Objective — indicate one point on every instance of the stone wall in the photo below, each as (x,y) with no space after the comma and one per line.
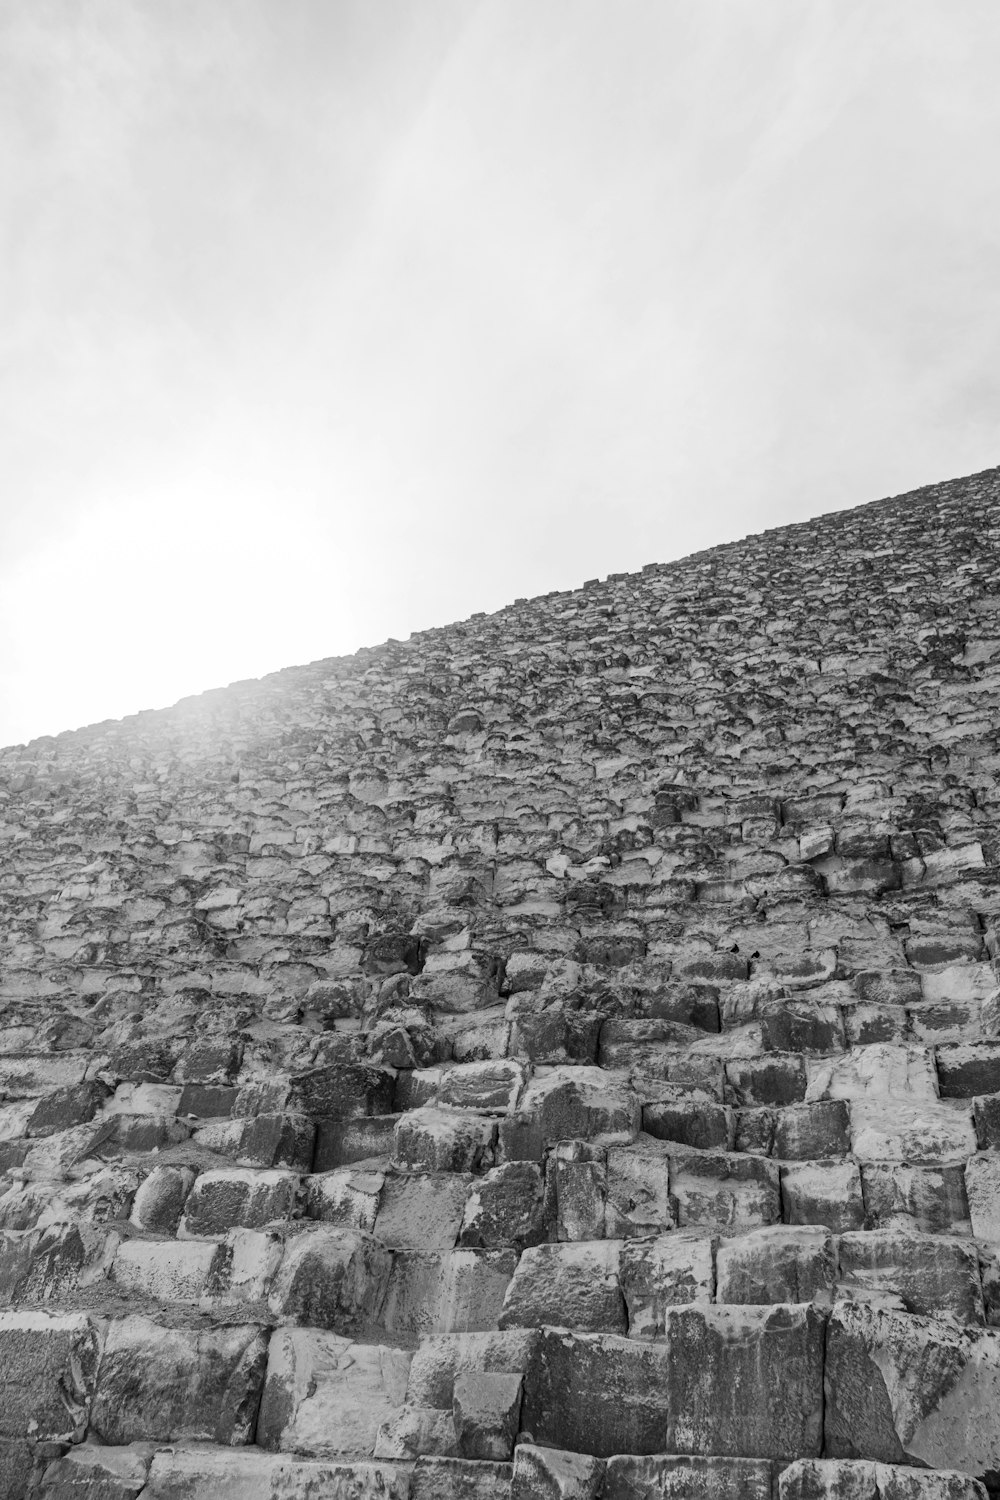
(556,1055)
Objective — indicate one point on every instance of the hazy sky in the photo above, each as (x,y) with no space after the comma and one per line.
(329,320)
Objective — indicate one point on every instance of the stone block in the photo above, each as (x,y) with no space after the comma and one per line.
(331,1278)
(908,1390)
(715,1190)
(802,1027)
(178,1384)
(88,1472)
(209,1473)
(492,1086)
(576,1181)
(49,1264)
(664,1272)
(507,1206)
(239,1198)
(568,1285)
(813,1132)
(746,1381)
(436,1139)
(447,1291)
(686,1477)
(857,1479)
(982,1186)
(933,1275)
(342,1091)
(66,1107)
(823,1192)
(550,1474)
(50,1363)
(165,1270)
(348,1198)
(568,1103)
(459,1479)
(776,1079)
(782,1263)
(597,1394)
(438,1361)
(690,1121)
(637,1198)
(486,1411)
(967,1070)
(340,1142)
(423,1211)
(325,1396)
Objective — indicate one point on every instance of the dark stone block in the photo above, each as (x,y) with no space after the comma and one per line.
(812,1132)
(67,1107)
(690,1122)
(339,1142)
(776,1079)
(207,1101)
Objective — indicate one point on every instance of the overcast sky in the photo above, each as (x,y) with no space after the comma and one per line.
(328,320)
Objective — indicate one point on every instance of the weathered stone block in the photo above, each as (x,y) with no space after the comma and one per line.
(550,1474)
(178,1384)
(241,1198)
(568,1103)
(663,1272)
(823,1192)
(775,1079)
(903,1389)
(208,1473)
(459,1479)
(331,1278)
(50,1367)
(447,1291)
(434,1139)
(348,1197)
(340,1142)
(745,1381)
(724,1192)
(964,1071)
(507,1206)
(934,1276)
(326,1396)
(777,1264)
(569,1285)
(576,1186)
(486,1411)
(690,1121)
(438,1362)
(597,1394)
(856,1479)
(677,1477)
(422,1212)
(637,1199)
(88,1472)
(813,1132)
(931,1199)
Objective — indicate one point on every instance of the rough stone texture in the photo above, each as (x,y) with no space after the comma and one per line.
(621,967)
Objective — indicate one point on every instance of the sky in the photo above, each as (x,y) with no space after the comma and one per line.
(324,321)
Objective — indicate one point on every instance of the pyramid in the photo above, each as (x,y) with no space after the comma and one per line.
(554,1055)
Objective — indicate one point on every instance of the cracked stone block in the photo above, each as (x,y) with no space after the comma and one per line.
(813,1132)
(824,1192)
(325,1396)
(49,1264)
(416,1430)
(50,1363)
(166,1270)
(577,1183)
(91,1473)
(238,1199)
(438,1361)
(982,1185)
(905,1389)
(178,1384)
(722,1191)
(664,1272)
(347,1197)
(331,1278)
(856,1479)
(690,1121)
(568,1103)
(492,1086)
(571,1285)
(180,1473)
(781,1263)
(342,1091)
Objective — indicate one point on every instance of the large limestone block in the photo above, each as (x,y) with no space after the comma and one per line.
(89,1472)
(159,1201)
(439,1361)
(422,1211)
(439,1139)
(934,1276)
(50,1366)
(898,1130)
(904,1389)
(165,1270)
(856,1479)
(638,1198)
(883,1071)
(676,1477)
(459,1479)
(208,1473)
(717,1190)
(597,1394)
(452,1291)
(331,1278)
(486,1412)
(325,1396)
(570,1286)
(347,1197)
(49,1265)
(550,1474)
(664,1272)
(982,1185)
(178,1384)
(823,1192)
(930,1199)
(567,1103)
(492,1087)
(506,1207)
(577,1183)
(241,1198)
(781,1263)
(746,1381)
